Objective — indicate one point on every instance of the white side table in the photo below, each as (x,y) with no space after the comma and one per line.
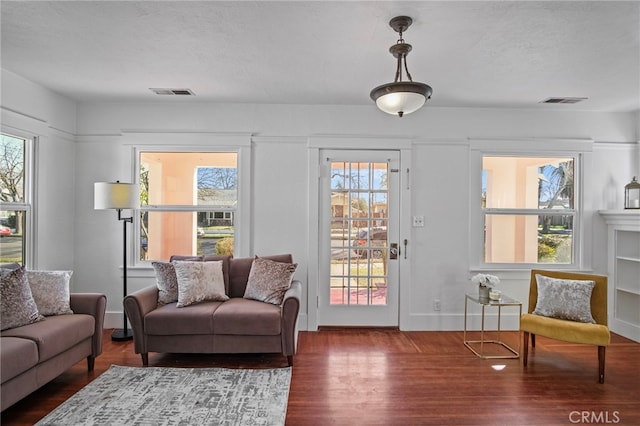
(503,301)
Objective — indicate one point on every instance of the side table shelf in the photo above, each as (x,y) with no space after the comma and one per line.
(503,301)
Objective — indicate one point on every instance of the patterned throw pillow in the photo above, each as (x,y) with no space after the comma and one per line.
(564,299)
(17,306)
(166,281)
(199,281)
(50,290)
(269,280)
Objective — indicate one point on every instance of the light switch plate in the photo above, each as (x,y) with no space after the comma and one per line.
(418,221)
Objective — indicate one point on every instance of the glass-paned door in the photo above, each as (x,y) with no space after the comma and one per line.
(359,273)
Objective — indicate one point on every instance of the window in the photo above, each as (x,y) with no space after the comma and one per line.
(15,198)
(529,210)
(188,202)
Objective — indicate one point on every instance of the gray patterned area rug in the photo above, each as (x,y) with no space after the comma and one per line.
(178,396)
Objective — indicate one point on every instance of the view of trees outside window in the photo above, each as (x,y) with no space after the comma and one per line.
(188,202)
(529,209)
(14,206)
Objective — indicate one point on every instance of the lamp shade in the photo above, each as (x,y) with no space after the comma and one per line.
(401,98)
(116,195)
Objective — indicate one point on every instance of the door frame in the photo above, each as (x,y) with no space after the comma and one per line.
(314,146)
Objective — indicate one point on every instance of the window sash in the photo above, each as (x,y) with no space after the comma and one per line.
(207,144)
(565,149)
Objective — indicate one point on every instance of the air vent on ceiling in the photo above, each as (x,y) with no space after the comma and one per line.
(567,100)
(178,92)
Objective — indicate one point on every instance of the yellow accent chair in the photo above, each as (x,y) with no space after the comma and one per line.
(569,331)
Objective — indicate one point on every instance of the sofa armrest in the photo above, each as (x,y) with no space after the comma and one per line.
(136,306)
(290,310)
(94,304)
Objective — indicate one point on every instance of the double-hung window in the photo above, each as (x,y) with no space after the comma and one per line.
(16,160)
(529,210)
(188,202)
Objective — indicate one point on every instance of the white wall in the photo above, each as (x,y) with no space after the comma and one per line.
(279,215)
(30,110)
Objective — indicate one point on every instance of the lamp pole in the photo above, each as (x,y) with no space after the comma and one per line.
(123,334)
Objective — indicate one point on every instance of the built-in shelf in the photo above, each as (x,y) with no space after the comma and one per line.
(624,271)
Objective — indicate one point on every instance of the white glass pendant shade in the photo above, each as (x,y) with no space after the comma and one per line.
(401,98)
(116,195)
(400,102)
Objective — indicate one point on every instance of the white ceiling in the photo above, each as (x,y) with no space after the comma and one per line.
(473,54)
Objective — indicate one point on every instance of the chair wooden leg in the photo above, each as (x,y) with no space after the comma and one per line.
(145,359)
(533,340)
(525,347)
(601,352)
(290,360)
(91,362)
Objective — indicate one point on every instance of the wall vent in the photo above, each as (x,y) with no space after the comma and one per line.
(567,100)
(165,91)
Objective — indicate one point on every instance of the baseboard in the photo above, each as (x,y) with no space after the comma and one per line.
(455,322)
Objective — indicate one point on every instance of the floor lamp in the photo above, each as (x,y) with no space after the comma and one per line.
(119,196)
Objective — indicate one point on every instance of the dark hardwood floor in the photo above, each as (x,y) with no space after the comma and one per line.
(385,377)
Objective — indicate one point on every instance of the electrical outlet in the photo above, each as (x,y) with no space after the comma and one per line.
(436,304)
(418,221)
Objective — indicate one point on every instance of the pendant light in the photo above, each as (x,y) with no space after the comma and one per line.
(401,97)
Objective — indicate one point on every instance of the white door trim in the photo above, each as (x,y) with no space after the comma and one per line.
(316,143)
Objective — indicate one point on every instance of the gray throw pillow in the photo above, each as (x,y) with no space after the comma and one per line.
(166,281)
(269,280)
(564,299)
(50,290)
(17,306)
(199,281)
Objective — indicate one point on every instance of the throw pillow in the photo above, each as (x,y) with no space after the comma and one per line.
(17,306)
(199,281)
(50,290)
(269,280)
(564,299)
(166,281)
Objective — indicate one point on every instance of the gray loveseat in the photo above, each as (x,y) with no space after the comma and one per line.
(34,354)
(237,325)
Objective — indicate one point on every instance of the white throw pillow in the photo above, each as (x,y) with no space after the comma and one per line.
(564,299)
(50,290)
(199,281)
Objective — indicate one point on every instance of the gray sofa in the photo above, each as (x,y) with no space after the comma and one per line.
(34,354)
(237,325)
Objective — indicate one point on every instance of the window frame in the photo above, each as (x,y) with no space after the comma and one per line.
(241,236)
(28,203)
(571,148)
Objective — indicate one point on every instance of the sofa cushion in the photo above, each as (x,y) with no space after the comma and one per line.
(240,268)
(166,281)
(18,355)
(16,301)
(56,334)
(564,299)
(241,316)
(199,281)
(226,262)
(50,290)
(269,280)
(169,320)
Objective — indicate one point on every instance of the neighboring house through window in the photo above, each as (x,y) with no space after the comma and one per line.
(188,202)
(16,165)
